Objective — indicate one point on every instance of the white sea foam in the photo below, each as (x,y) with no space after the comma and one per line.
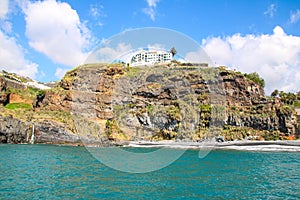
(273,148)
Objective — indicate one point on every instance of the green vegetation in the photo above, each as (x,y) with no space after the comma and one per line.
(13,106)
(29,93)
(231,133)
(133,71)
(69,76)
(274,93)
(275,135)
(108,127)
(287,98)
(113,131)
(255,78)
(286,109)
(150,108)
(174,113)
(205,108)
(36,91)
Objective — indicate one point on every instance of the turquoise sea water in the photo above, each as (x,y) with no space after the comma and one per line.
(61,172)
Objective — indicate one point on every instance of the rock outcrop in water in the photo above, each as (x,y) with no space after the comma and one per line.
(114,103)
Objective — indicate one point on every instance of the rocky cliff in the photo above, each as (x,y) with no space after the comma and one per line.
(112,103)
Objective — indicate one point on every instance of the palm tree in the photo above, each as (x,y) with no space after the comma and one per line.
(173,51)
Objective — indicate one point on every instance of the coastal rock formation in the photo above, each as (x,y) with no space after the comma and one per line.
(101,103)
(14,130)
(247,106)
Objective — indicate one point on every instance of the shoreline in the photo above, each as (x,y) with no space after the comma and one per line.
(245,145)
(242,145)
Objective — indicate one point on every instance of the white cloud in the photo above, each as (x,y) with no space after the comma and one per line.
(6,26)
(109,54)
(96,11)
(3,8)
(150,10)
(12,58)
(152,3)
(276,57)
(59,73)
(295,16)
(54,28)
(271,10)
(198,56)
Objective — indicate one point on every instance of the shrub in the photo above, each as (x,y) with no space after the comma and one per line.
(205,108)
(174,112)
(287,98)
(255,78)
(36,92)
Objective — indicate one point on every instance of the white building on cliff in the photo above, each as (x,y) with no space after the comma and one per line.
(144,57)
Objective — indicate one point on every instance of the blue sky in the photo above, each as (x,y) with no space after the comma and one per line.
(43,39)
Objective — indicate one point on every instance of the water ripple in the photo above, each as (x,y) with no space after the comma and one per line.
(55,172)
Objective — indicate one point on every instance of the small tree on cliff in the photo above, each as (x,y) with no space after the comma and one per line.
(173,51)
(274,93)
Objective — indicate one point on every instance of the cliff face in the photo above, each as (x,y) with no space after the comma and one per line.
(14,130)
(115,103)
(151,104)
(247,106)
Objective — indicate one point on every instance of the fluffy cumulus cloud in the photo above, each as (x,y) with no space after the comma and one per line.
(150,10)
(276,57)
(54,29)
(12,57)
